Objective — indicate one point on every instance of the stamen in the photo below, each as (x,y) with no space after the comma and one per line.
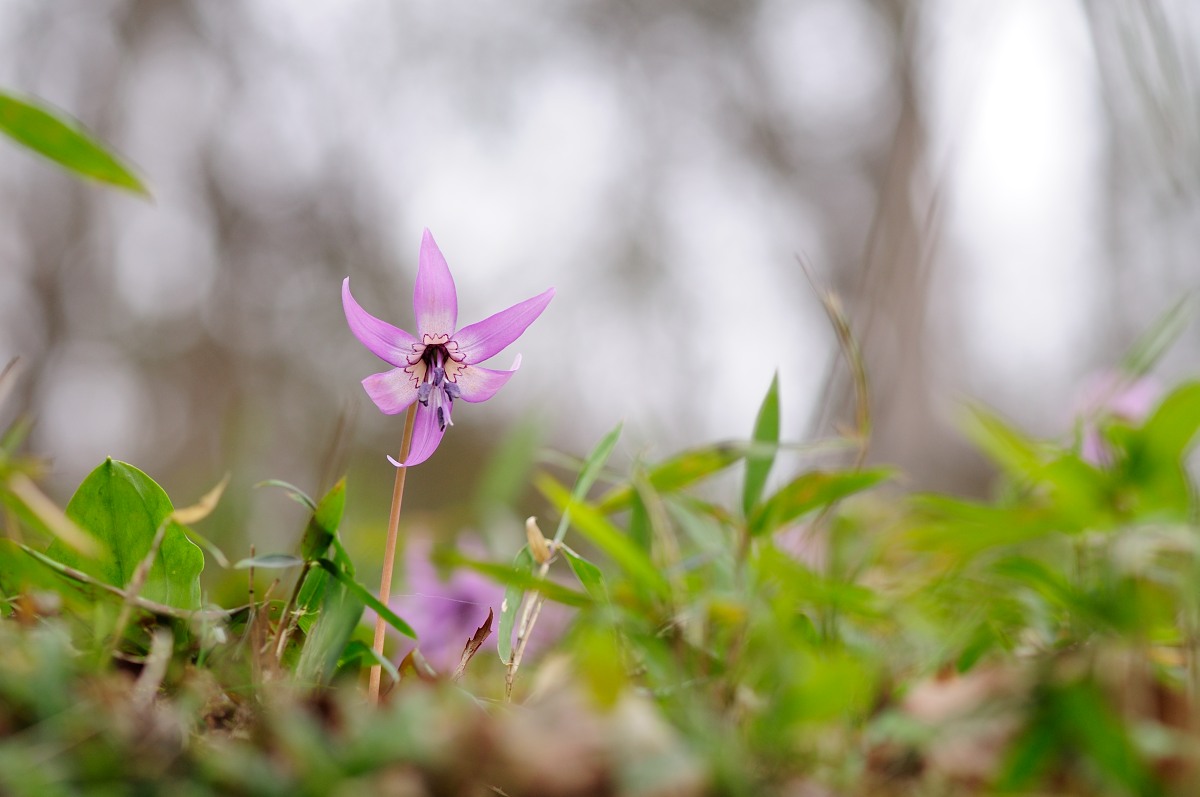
(452,390)
(423,393)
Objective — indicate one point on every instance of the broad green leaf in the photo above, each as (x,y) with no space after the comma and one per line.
(1156,450)
(588,474)
(811,491)
(1171,429)
(607,537)
(514,594)
(677,472)
(323,524)
(63,140)
(589,576)
(122,508)
(270,561)
(760,459)
(365,595)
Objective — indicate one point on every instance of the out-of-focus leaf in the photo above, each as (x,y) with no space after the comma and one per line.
(35,508)
(506,475)
(62,140)
(761,458)
(270,561)
(965,529)
(1009,449)
(607,537)
(588,574)
(323,524)
(514,594)
(202,508)
(811,491)
(122,508)
(588,474)
(1171,429)
(1154,342)
(513,576)
(1153,468)
(677,472)
(340,614)
(294,492)
(358,651)
(363,594)
(598,657)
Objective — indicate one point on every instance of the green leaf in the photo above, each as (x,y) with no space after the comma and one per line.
(810,491)
(760,460)
(607,537)
(323,524)
(1009,449)
(588,574)
(1155,341)
(325,643)
(270,561)
(357,651)
(588,474)
(514,594)
(677,472)
(524,580)
(364,595)
(1171,430)
(122,508)
(294,492)
(63,140)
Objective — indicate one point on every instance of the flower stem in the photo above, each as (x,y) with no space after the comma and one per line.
(389,552)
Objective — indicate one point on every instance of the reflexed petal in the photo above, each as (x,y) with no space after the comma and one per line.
(385,341)
(434,299)
(427,434)
(480,384)
(480,341)
(392,391)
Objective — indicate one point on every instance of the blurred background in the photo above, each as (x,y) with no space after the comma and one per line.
(1002,194)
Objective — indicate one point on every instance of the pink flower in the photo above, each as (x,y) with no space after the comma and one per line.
(440,364)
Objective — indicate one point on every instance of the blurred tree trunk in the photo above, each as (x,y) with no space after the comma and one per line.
(889,299)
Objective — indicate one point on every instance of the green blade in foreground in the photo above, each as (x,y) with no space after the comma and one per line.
(63,141)
(766,436)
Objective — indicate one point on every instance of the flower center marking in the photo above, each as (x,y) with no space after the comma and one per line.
(434,370)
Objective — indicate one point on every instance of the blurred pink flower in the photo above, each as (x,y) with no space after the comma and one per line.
(1111,394)
(445,612)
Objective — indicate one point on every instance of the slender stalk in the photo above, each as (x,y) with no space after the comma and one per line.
(389,552)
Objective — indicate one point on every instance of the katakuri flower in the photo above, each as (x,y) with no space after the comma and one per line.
(440,364)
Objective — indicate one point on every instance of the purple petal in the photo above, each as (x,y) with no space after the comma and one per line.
(434,299)
(392,391)
(385,341)
(427,434)
(482,340)
(480,384)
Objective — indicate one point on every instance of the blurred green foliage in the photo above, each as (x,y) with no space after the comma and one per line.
(762,632)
